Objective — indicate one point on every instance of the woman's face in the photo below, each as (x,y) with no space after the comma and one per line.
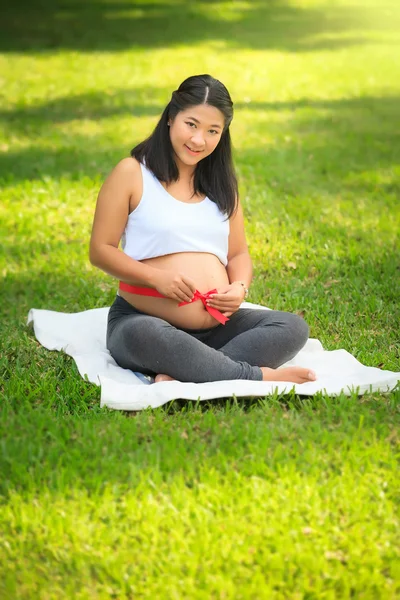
(195,133)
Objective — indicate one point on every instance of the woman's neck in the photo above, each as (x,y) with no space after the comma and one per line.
(186,172)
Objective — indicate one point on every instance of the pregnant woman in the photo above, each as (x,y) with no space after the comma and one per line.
(184,266)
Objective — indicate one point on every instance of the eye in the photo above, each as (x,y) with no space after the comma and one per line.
(213,131)
(190,123)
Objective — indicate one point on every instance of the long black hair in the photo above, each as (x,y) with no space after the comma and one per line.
(215,174)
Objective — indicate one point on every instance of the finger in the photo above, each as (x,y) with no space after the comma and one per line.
(223,297)
(220,296)
(231,309)
(184,289)
(179,296)
(184,297)
(222,309)
(226,303)
(189,283)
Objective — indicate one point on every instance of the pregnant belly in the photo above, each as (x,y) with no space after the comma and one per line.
(204,269)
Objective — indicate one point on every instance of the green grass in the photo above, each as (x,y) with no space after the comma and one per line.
(268,498)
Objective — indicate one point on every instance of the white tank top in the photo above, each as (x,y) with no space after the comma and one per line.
(161,225)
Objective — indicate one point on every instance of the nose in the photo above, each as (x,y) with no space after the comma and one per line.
(198,139)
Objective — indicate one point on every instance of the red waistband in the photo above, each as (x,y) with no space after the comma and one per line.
(144,291)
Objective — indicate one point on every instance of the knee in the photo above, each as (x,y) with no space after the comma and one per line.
(151,332)
(297,329)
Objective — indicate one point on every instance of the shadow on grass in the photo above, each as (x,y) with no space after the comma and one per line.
(323,141)
(108,25)
(140,102)
(43,117)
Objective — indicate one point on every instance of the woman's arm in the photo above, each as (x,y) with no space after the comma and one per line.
(109,222)
(239,268)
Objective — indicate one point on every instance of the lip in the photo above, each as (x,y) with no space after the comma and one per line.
(191,151)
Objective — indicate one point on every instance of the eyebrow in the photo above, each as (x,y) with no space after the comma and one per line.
(197,121)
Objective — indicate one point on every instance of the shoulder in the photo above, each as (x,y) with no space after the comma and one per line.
(127,166)
(124,178)
(122,181)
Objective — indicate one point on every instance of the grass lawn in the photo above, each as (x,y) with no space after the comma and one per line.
(265,498)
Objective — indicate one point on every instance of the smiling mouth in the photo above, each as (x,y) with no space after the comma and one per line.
(194,151)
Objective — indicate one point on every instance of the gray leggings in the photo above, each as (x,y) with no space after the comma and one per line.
(252,338)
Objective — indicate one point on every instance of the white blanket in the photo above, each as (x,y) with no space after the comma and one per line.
(83,337)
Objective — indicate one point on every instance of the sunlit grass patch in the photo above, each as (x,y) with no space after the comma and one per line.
(277,501)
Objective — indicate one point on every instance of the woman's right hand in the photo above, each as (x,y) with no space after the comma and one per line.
(176,286)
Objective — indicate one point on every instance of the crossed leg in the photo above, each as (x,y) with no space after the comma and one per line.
(264,338)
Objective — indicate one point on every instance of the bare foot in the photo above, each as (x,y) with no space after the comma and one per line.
(163,377)
(293,374)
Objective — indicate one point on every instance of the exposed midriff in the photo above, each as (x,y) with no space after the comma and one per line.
(207,273)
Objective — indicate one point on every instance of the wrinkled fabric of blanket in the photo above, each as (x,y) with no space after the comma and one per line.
(83,337)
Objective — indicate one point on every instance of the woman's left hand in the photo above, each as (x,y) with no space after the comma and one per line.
(228,299)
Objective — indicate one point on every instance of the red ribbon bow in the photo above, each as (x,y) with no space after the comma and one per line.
(213,311)
(143,291)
